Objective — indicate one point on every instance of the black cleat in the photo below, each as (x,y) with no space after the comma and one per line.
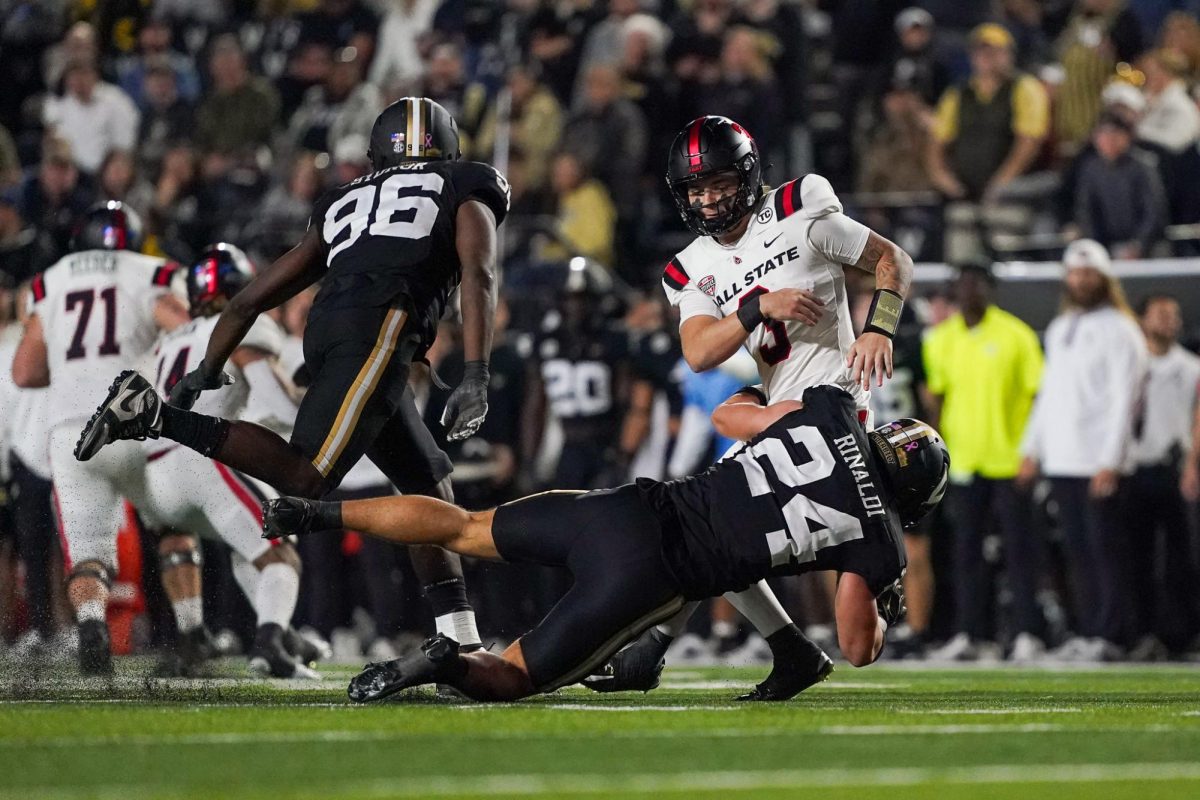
(132,410)
(192,651)
(269,657)
(799,664)
(305,650)
(95,649)
(288,516)
(436,662)
(637,668)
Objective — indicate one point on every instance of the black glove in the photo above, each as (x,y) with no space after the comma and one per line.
(890,603)
(185,393)
(467,405)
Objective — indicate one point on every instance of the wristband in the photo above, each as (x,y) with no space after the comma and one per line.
(476,371)
(884,315)
(327,516)
(749,314)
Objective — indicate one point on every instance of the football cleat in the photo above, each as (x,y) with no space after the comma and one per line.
(799,664)
(132,410)
(436,661)
(95,649)
(191,652)
(307,649)
(270,658)
(288,516)
(637,668)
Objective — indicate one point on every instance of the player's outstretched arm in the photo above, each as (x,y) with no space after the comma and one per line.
(475,241)
(744,415)
(295,270)
(860,629)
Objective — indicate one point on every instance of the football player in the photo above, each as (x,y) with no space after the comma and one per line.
(766,273)
(389,249)
(192,493)
(810,490)
(96,311)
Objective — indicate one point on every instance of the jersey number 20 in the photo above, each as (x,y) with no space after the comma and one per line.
(799,542)
(383,211)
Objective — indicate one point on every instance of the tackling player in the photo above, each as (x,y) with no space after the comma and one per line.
(766,272)
(96,311)
(389,247)
(811,490)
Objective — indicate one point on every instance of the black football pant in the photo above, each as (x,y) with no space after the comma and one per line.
(1097,560)
(972,506)
(1164,572)
(36,540)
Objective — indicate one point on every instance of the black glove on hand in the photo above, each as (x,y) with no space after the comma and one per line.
(467,405)
(890,603)
(185,393)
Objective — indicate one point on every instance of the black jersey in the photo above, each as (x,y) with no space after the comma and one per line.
(803,495)
(392,233)
(656,358)
(580,370)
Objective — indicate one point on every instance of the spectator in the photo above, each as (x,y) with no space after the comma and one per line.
(154,47)
(783,24)
(1080,437)
(605,42)
(240,110)
(1171,119)
(1181,35)
(1119,200)
(10,162)
(552,41)
(350,158)
(1098,35)
(585,222)
(55,194)
(916,61)
(990,129)
(398,60)
(78,46)
(696,40)
(896,157)
(983,366)
(341,23)
(118,179)
(1026,21)
(24,250)
(176,216)
(1158,523)
(608,136)
(167,118)
(537,122)
(445,82)
(644,71)
(283,216)
(92,116)
(746,90)
(341,106)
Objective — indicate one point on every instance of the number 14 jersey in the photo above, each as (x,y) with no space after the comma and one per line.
(798,238)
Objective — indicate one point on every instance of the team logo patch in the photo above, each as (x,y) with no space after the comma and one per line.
(737,259)
(708,285)
(397,142)
(765,215)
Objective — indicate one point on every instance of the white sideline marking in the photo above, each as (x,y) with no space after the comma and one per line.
(543,784)
(300,737)
(973,711)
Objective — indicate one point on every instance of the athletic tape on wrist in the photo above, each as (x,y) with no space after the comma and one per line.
(749,313)
(884,315)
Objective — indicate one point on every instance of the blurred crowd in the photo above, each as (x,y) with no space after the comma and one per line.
(967,131)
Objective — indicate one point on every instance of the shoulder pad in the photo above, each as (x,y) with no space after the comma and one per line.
(810,195)
(474,180)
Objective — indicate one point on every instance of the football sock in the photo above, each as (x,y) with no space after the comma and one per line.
(189,613)
(459,626)
(276,594)
(90,610)
(758,604)
(451,612)
(202,433)
(246,575)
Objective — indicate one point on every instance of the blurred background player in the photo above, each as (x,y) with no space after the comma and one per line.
(1080,436)
(96,312)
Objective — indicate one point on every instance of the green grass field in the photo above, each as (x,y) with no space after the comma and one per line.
(878,732)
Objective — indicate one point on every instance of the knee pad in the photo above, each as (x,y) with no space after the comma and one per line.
(92,569)
(178,558)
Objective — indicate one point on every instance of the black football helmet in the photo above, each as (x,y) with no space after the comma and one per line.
(108,226)
(914,458)
(413,129)
(707,146)
(220,272)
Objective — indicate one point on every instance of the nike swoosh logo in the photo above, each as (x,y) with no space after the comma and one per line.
(768,244)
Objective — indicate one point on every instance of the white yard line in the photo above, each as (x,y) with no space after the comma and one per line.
(722,780)
(973,711)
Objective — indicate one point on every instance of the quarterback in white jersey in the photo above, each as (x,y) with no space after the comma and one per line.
(95,312)
(766,273)
(189,492)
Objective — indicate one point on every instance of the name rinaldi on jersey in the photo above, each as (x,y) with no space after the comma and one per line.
(797,238)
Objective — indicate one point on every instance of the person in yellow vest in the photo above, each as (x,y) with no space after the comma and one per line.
(983,367)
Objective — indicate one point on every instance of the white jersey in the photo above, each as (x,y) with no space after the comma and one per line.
(798,239)
(180,351)
(97,313)
(1164,432)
